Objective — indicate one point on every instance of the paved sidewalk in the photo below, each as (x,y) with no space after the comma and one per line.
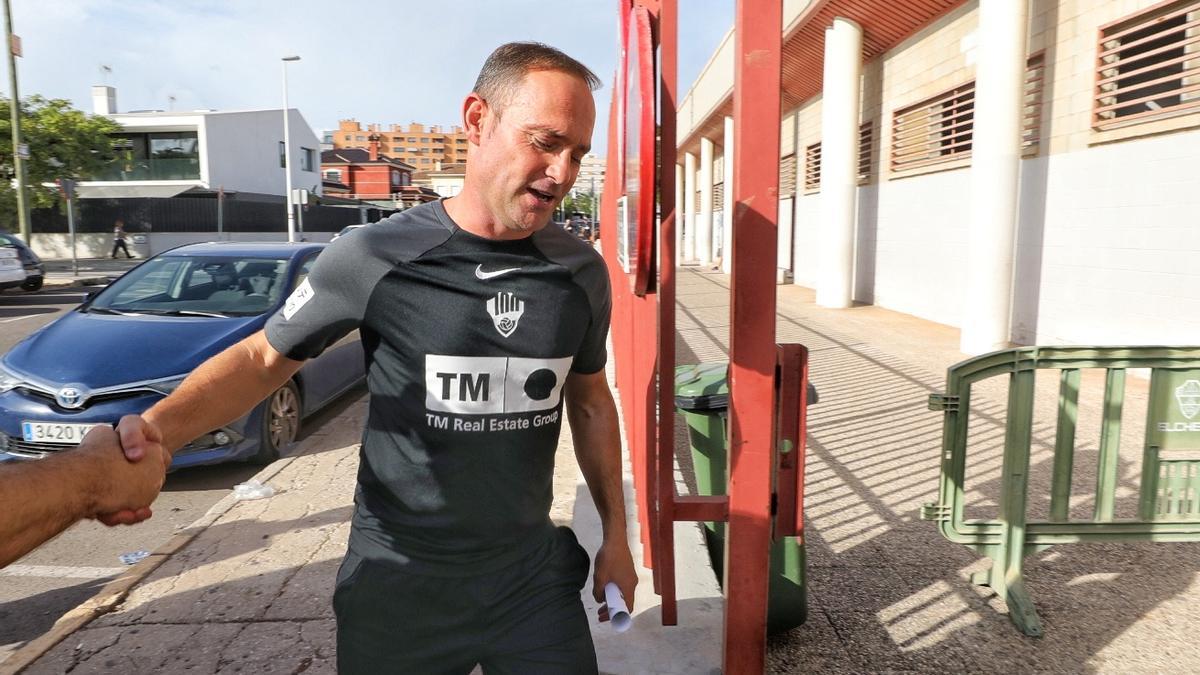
(86,271)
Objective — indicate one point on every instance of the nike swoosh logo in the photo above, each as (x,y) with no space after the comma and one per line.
(480,274)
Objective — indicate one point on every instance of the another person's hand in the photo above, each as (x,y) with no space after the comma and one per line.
(614,562)
(144,457)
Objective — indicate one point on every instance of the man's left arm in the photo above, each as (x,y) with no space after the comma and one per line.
(593,417)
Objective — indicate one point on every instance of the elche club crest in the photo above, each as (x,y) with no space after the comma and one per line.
(1188,395)
(506,310)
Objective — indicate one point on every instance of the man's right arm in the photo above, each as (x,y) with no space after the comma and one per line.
(220,391)
(323,308)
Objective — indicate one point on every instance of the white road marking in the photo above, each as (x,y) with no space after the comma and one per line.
(18,318)
(61,571)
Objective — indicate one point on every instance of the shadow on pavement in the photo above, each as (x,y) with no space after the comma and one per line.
(214,627)
(23,619)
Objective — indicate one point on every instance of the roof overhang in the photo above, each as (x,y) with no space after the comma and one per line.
(885,24)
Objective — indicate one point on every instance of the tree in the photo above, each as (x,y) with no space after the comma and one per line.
(63,143)
(580,201)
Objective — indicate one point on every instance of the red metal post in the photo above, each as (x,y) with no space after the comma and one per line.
(756,99)
(664,470)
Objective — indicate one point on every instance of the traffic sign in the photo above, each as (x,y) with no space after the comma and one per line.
(67,187)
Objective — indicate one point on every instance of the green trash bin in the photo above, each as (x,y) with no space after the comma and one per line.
(702,395)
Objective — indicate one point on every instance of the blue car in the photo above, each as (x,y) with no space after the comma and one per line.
(132,343)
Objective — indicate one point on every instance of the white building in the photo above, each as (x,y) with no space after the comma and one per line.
(163,154)
(591,176)
(448,179)
(1023,170)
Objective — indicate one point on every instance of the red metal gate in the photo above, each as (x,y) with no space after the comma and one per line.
(643,330)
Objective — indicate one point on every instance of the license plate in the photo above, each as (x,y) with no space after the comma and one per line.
(54,432)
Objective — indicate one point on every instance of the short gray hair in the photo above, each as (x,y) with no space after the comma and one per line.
(507,66)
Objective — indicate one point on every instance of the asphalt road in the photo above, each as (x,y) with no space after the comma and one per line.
(50,581)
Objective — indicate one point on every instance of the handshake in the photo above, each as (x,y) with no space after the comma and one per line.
(113,477)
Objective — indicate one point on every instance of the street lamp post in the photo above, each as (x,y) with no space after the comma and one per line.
(20,152)
(287,156)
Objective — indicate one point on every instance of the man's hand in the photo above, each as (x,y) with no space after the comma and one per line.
(614,562)
(142,469)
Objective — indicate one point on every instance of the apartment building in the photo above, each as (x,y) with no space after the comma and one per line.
(889,162)
(425,148)
(591,175)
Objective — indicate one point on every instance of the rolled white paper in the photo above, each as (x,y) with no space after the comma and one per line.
(618,613)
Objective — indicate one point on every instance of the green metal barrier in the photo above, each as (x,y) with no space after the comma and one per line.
(1169,500)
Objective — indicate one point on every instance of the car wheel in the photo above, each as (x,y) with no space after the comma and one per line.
(280,424)
(33,284)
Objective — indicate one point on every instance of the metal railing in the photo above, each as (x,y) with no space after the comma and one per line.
(1169,496)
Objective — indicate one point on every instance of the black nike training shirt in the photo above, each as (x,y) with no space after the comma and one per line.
(468,343)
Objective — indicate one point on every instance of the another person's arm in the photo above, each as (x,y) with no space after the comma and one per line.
(593,417)
(40,499)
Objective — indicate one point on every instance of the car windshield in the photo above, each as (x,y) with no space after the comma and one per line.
(182,285)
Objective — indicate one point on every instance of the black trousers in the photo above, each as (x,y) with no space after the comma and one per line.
(526,619)
(120,244)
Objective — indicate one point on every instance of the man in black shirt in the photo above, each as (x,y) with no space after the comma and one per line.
(478,322)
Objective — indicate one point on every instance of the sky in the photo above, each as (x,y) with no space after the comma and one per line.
(377,61)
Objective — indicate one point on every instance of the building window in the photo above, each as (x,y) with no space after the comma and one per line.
(307,159)
(347,137)
(865,142)
(1148,65)
(395,178)
(360,138)
(398,139)
(941,128)
(412,139)
(1031,112)
(164,155)
(332,174)
(282,155)
(787,177)
(812,168)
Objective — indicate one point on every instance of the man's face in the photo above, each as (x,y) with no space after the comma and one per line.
(528,155)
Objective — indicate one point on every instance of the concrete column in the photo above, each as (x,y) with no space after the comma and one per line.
(727,209)
(839,163)
(678,214)
(995,167)
(704,217)
(689,209)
